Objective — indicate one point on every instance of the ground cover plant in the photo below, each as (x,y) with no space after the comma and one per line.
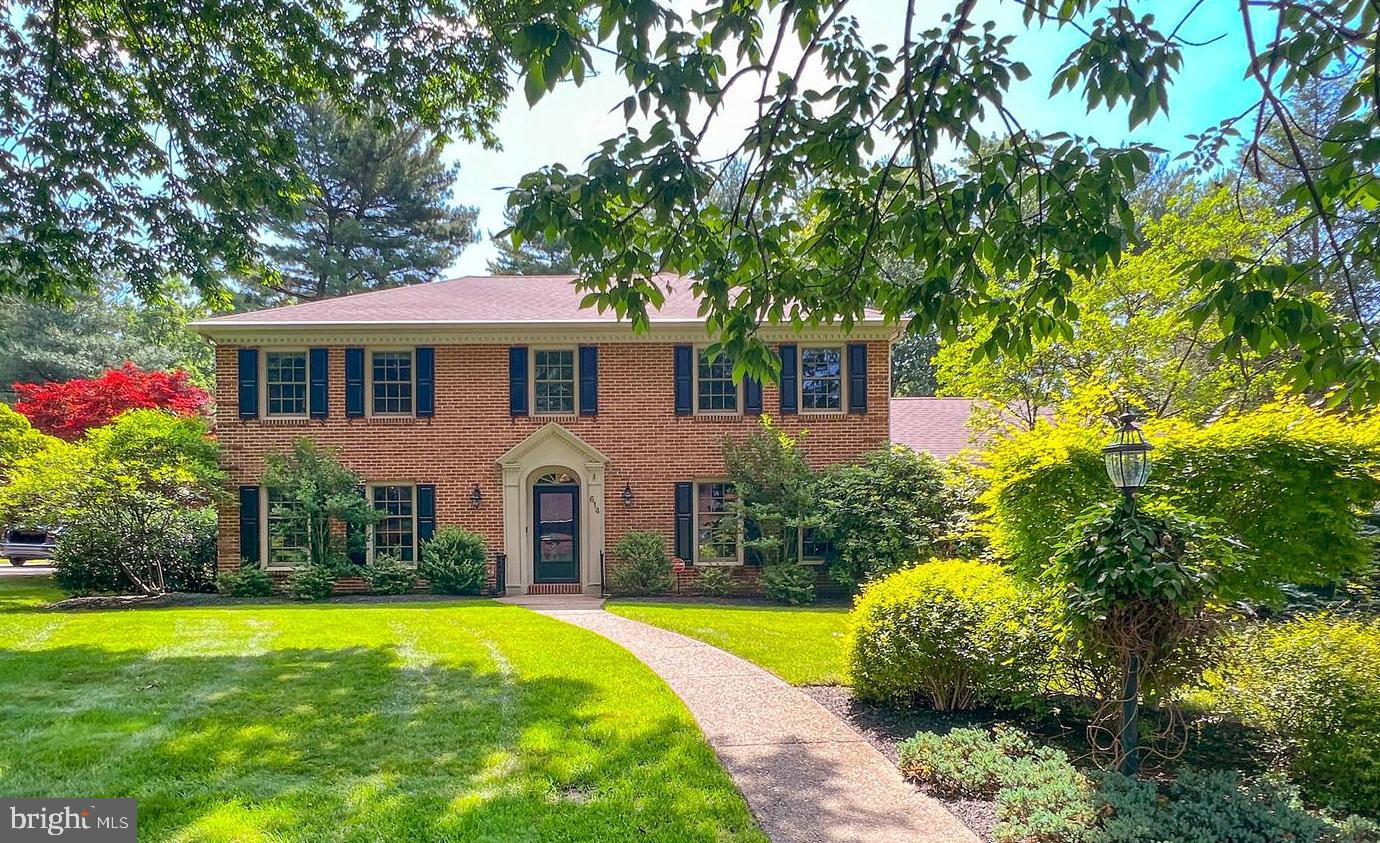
(457,720)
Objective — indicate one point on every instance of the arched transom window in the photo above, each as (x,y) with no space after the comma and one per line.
(559,477)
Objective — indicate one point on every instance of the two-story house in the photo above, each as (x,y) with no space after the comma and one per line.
(499,405)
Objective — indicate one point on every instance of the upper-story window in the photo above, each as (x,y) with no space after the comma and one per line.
(395,534)
(553,381)
(821,379)
(715,391)
(392,378)
(285,379)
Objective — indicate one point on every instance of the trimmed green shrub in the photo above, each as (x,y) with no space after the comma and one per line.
(386,575)
(1285,479)
(789,583)
(950,634)
(248,581)
(1202,806)
(1039,795)
(455,561)
(643,565)
(93,558)
(1313,686)
(310,582)
(716,582)
(880,512)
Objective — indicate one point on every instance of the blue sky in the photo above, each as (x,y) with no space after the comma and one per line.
(569,123)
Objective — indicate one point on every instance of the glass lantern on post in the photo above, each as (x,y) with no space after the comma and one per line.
(1127,456)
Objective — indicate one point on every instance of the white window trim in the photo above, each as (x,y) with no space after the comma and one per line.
(263,381)
(800,379)
(369,384)
(532,380)
(266,538)
(695,390)
(726,562)
(369,538)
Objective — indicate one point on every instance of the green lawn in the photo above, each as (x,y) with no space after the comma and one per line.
(802,646)
(464,720)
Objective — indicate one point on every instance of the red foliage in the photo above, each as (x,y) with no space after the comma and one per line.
(66,409)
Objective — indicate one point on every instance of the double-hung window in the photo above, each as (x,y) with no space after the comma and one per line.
(715,391)
(392,378)
(821,379)
(287,532)
(285,379)
(717,536)
(395,533)
(553,381)
(814,547)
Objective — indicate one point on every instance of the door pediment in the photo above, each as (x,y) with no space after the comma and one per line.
(552,439)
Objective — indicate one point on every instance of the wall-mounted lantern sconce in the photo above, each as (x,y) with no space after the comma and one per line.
(476,497)
(627,494)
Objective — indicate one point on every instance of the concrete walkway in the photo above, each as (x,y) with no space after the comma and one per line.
(808,777)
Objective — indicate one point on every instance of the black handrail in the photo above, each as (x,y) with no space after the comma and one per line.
(500,574)
(602,574)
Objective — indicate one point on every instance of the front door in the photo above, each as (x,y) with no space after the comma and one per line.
(556,532)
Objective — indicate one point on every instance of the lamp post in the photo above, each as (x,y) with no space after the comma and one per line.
(1127,458)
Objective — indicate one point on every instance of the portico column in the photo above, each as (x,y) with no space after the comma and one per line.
(594,544)
(514,535)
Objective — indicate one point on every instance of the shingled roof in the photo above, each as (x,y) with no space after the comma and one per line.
(470,300)
(937,426)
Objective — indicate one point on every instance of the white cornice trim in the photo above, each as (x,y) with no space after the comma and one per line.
(510,333)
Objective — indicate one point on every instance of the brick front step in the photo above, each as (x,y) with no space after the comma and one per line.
(555,588)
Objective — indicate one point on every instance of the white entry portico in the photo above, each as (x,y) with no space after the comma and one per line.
(552,450)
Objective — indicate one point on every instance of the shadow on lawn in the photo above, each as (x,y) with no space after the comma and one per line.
(359,743)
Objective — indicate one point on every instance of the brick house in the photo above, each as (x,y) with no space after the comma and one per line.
(499,405)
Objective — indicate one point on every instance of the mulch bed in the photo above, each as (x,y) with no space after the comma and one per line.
(184,599)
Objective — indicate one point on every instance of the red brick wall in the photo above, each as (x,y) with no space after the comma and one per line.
(648,446)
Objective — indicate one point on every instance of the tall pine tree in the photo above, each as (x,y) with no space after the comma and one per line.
(379,213)
(538,255)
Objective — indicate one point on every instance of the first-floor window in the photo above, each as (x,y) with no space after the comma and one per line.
(553,381)
(287,532)
(716,533)
(715,390)
(814,547)
(821,379)
(392,380)
(395,533)
(285,379)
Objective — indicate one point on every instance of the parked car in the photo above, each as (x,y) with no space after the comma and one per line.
(25,544)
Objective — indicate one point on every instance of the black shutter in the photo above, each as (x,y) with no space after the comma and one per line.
(857,377)
(790,385)
(354,383)
(752,396)
(426,511)
(356,542)
(685,359)
(589,380)
(685,522)
(249,524)
(319,376)
(517,380)
(426,382)
(249,383)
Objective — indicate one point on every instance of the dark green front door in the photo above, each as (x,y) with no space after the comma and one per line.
(556,532)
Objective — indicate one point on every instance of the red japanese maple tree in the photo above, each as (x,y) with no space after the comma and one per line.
(67,408)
